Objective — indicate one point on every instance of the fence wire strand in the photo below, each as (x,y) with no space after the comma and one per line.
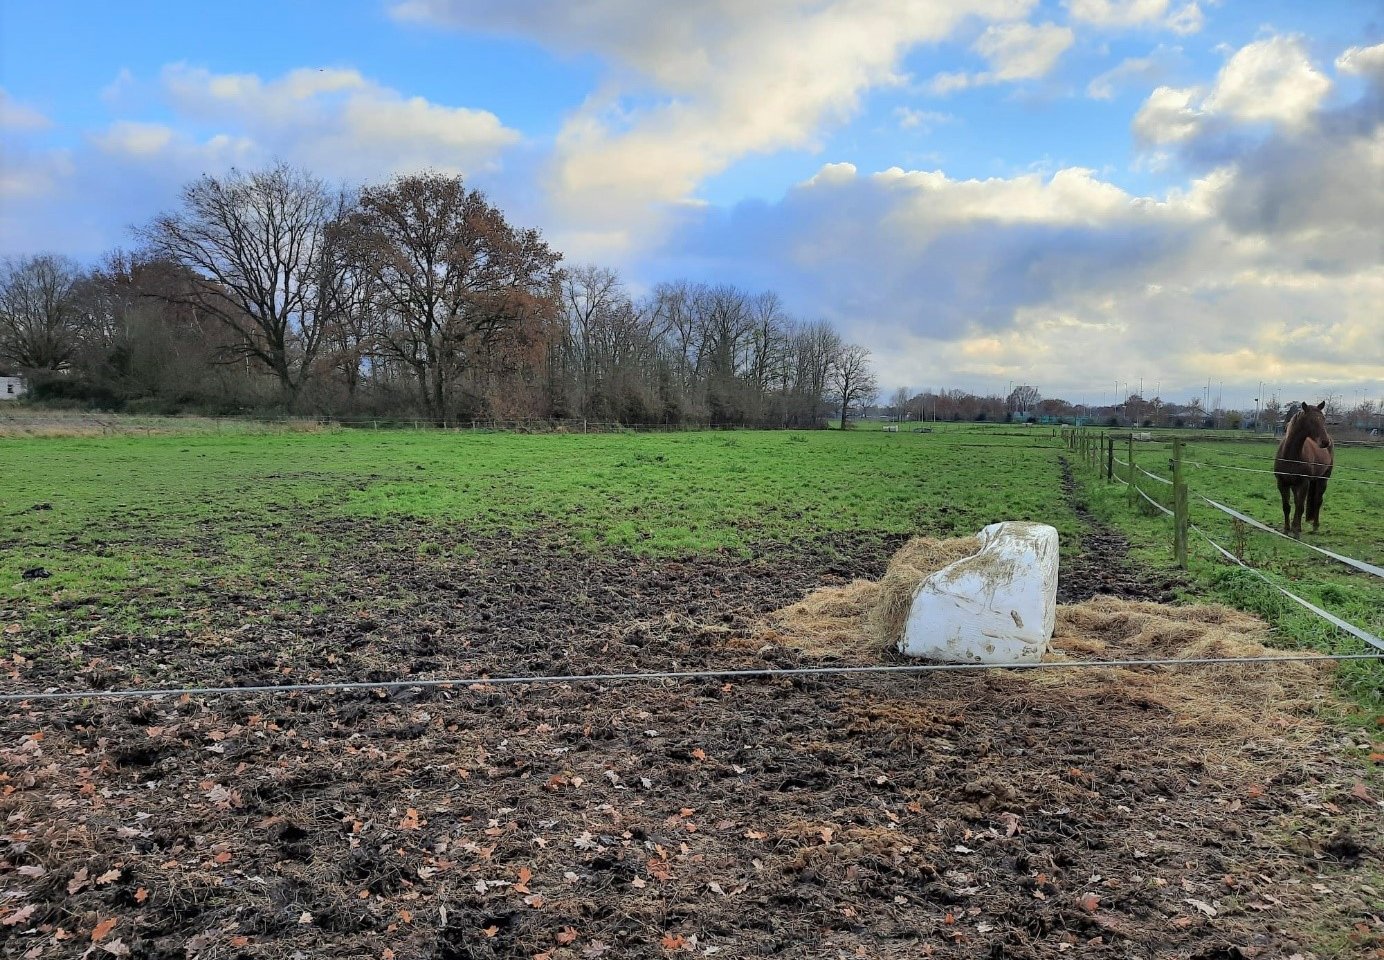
(479,684)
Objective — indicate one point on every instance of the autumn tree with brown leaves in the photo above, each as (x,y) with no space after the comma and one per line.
(459,287)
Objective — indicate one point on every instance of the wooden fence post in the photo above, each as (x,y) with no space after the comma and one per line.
(1109,459)
(1130,452)
(1179,508)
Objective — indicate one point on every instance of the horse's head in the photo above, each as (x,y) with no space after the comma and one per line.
(1311,421)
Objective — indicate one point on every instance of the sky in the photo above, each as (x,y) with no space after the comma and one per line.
(1075,194)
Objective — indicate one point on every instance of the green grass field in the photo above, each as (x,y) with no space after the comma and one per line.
(102,515)
(124,521)
(1230,473)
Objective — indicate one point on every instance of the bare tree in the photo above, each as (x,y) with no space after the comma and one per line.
(454,276)
(40,321)
(1022,399)
(899,403)
(851,379)
(255,243)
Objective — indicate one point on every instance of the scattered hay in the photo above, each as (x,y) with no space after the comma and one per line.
(832,620)
(861,623)
(1234,699)
(917,560)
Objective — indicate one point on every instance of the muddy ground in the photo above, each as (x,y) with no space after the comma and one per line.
(975,815)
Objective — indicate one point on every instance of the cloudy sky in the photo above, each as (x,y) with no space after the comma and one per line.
(1069,193)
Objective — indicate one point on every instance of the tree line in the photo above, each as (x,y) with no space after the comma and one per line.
(266,290)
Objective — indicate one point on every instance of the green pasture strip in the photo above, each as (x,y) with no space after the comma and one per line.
(1352,524)
(130,527)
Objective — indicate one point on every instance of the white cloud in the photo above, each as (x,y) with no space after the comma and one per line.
(136,139)
(17,116)
(1269,81)
(1014,51)
(339,122)
(1117,13)
(696,86)
(1133,70)
(1023,51)
(1362,61)
(1187,20)
(1265,265)
(1126,14)
(1169,115)
(924,121)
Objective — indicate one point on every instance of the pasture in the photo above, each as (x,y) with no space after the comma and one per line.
(967,815)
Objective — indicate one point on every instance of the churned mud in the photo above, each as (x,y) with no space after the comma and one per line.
(958,815)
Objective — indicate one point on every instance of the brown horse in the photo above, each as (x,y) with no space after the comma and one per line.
(1302,465)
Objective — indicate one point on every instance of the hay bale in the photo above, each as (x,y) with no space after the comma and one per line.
(864,618)
(917,560)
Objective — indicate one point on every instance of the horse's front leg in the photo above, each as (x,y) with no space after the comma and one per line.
(1299,502)
(1283,492)
(1314,502)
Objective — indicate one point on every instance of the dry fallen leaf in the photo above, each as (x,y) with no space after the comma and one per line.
(522,885)
(19,916)
(1203,906)
(566,935)
(99,932)
(672,941)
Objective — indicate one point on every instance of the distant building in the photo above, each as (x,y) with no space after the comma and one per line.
(12,387)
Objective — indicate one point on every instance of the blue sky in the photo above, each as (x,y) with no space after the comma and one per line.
(981,191)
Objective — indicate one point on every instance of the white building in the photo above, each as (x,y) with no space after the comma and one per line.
(12,388)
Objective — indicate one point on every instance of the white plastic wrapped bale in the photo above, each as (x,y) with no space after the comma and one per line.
(998,606)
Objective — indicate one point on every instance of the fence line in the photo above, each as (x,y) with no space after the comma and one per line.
(1181,524)
(1153,501)
(1350,628)
(1272,473)
(1351,467)
(1349,561)
(478,684)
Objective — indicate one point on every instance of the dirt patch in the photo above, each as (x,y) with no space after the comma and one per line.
(985,815)
(1102,567)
